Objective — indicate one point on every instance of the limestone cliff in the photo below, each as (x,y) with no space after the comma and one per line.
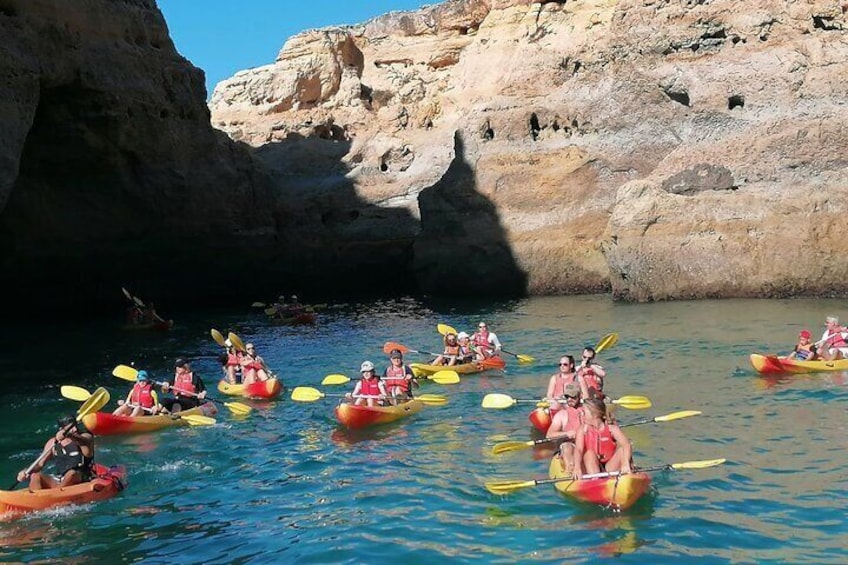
(657,148)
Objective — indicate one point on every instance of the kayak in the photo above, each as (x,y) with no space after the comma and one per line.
(492,363)
(259,389)
(620,492)
(107,424)
(108,482)
(541,419)
(773,364)
(159,326)
(302,318)
(354,417)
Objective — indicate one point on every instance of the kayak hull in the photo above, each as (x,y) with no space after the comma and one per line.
(541,419)
(109,482)
(157,326)
(619,492)
(771,364)
(107,424)
(356,417)
(261,389)
(493,363)
(303,318)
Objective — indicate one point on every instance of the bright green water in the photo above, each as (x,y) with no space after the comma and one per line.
(285,485)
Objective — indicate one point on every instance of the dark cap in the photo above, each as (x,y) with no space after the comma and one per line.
(180,362)
(396,354)
(65,421)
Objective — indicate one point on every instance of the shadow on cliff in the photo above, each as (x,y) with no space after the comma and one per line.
(334,242)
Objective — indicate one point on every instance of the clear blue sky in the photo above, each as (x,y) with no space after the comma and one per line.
(225,36)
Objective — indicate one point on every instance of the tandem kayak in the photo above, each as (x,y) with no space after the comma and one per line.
(620,492)
(767,364)
(293,320)
(492,363)
(259,389)
(158,326)
(107,424)
(109,481)
(355,417)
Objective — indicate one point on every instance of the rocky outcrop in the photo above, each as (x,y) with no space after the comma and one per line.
(655,148)
(110,172)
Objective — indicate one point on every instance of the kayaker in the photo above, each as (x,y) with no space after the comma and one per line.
(484,342)
(591,374)
(187,387)
(600,445)
(466,352)
(398,378)
(141,400)
(72,453)
(253,367)
(450,355)
(232,365)
(558,381)
(369,390)
(565,424)
(834,341)
(149,315)
(805,350)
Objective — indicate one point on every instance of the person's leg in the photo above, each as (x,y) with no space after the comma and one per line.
(591,463)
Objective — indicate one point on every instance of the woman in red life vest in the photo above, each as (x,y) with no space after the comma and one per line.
(187,386)
(253,367)
(591,375)
(833,344)
(398,378)
(72,452)
(558,382)
(451,352)
(141,400)
(485,343)
(369,390)
(805,350)
(232,364)
(600,445)
(565,424)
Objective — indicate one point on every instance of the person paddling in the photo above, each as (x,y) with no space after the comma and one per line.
(565,424)
(561,379)
(834,341)
(253,366)
(141,400)
(599,444)
(398,378)
(187,387)
(71,451)
(369,390)
(591,375)
(450,355)
(485,343)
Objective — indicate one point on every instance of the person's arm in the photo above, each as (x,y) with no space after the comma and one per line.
(584,388)
(579,449)
(558,426)
(84,440)
(382,386)
(493,339)
(357,389)
(624,444)
(199,387)
(600,371)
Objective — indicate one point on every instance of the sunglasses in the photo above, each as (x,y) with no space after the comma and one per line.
(566,364)
(570,396)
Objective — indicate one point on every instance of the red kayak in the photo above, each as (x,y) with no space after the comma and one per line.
(541,419)
(259,389)
(107,424)
(355,417)
(108,482)
(620,491)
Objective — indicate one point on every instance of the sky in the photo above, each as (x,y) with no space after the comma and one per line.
(225,36)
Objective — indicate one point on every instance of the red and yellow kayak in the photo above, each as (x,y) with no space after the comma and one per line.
(767,364)
(109,481)
(621,491)
(107,424)
(259,389)
(492,363)
(355,417)
(541,419)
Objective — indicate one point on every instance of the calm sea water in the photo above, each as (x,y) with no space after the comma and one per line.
(286,485)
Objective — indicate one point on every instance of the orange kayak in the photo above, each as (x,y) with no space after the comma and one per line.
(355,417)
(620,491)
(259,389)
(108,482)
(541,419)
(107,424)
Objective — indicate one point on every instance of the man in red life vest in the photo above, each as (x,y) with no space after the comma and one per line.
(141,400)
(187,386)
(591,374)
(398,378)
(834,341)
(485,343)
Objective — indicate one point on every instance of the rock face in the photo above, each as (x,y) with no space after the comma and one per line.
(655,148)
(110,172)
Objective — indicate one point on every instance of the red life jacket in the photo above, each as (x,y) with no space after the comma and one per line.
(451,350)
(142,395)
(253,363)
(481,339)
(592,379)
(804,352)
(232,360)
(369,387)
(599,441)
(184,382)
(396,377)
(835,340)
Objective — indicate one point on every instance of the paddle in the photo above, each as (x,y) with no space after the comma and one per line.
(237,342)
(606,342)
(309,394)
(75,393)
(507,446)
(445,329)
(218,337)
(501,401)
(128,373)
(335,379)
(95,402)
(506,487)
(258,305)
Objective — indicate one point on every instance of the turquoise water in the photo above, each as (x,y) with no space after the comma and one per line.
(286,485)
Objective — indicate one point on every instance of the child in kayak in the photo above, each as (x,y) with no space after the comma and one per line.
(370,390)
(805,350)
(141,400)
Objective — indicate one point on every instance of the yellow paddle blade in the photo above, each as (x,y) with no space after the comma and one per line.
(218,337)
(335,379)
(508,446)
(698,464)
(445,377)
(433,399)
(497,400)
(445,329)
(633,402)
(606,342)
(270,311)
(236,341)
(542,404)
(75,393)
(525,359)
(238,408)
(506,487)
(677,415)
(306,394)
(198,420)
(125,372)
(258,305)
(98,399)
